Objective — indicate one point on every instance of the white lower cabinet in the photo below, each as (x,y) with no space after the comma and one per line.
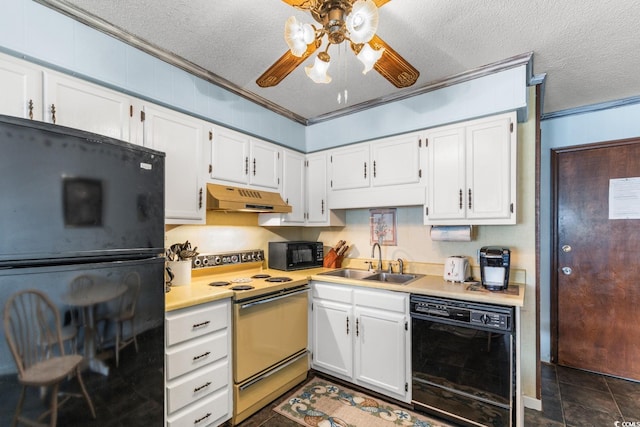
(198,365)
(362,336)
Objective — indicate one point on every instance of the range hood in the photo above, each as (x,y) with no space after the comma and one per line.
(235,199)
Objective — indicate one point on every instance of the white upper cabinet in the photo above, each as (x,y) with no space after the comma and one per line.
(304,187)
(239,159)
(181,138)
(82,105)
(472,172)
(265,164)
(385,172)
(351,167)
(293,186)
(21,88)
(319,212)
(229,156)
(396,161)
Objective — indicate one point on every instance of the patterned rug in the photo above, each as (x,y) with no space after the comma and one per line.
(323,404)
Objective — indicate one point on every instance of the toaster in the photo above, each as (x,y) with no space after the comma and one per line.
(457,269)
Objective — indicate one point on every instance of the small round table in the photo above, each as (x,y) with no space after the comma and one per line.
(87,298)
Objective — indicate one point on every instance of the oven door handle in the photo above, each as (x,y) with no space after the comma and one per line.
(268,374)
(271,299)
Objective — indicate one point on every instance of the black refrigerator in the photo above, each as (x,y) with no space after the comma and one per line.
(73,203)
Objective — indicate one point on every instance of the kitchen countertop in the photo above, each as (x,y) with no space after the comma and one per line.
(199,291)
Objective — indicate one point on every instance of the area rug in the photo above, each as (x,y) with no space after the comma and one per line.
(324,404)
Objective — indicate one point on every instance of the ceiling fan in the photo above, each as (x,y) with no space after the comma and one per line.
(353,21)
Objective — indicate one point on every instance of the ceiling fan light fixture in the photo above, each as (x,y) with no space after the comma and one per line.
(298,36)
(318,72)
(362,22)
(368,56)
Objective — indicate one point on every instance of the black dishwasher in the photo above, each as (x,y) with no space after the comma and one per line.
(463,360)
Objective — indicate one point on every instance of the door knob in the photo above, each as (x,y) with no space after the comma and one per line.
(566,248)
(567,270)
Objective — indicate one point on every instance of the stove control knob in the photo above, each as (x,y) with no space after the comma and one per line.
(234,258)
(217,260)
(485,319)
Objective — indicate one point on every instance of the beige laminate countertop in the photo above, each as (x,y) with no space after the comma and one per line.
(436,286)
(199,291)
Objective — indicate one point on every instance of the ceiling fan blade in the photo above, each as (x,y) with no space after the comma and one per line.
(392,66)
(378,3)
(284,66)
(302,4)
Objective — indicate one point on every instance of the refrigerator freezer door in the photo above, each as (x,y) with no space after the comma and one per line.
(72,194)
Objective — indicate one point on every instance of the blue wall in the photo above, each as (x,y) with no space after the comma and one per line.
(573,129)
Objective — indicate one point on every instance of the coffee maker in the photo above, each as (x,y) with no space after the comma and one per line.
(494,267)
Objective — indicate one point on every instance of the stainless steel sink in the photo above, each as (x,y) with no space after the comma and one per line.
(348,273)
(395,278)
(392,277)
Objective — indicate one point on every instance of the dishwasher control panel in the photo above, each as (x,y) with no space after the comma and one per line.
(463,312)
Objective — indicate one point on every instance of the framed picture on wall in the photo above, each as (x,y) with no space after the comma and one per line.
(382,224)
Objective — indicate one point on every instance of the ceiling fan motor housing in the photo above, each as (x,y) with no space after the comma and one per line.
(331,15)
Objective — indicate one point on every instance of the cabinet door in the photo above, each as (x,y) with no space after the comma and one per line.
(264,165)
(489,169)
(446,174)
(380,351)
(350,167)
(21,88)
(317,209)
(396,161)
(332,344)
(81,105)
(181,138)
(230,156)
(293,185)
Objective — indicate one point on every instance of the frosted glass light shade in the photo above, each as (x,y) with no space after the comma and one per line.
(362,22)
(369,56)
(318,73)
(298,35)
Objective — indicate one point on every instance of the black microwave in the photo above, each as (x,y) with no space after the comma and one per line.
(296,255)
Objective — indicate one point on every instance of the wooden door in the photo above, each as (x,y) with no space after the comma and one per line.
(596,261)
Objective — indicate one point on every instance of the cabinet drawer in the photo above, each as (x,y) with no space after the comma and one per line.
(337,293)
(384,300)
(197,385)
(196,354)
(188,323)
(204,412)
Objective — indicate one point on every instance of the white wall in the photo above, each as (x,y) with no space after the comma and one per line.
(575,129)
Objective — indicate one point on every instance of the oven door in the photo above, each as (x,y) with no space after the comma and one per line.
(268,330)
(462,372)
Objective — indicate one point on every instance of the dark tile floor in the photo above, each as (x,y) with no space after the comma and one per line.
(132,395)
(571,397)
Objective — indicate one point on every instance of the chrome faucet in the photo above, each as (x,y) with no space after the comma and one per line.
(373,251)
(400,266)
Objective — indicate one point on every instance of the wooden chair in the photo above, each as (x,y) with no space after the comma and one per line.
(30,318)
(124,311)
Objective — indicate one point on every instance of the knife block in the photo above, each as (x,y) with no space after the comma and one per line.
(332,260)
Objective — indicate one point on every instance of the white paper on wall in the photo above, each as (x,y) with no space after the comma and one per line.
(624,198)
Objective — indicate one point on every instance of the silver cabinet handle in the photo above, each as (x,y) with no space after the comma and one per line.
(567,271)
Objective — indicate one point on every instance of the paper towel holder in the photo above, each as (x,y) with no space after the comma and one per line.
(452,233)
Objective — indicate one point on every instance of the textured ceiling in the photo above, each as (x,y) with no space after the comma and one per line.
(589,49)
